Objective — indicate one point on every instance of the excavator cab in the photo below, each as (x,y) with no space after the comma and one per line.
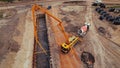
(65,48)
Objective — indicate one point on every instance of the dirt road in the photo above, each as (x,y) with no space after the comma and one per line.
(103,49)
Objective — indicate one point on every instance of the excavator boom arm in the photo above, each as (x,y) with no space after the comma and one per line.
(37,7)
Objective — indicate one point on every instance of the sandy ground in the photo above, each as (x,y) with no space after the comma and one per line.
(62,60)
(16,40)
(59,38)
(101,47)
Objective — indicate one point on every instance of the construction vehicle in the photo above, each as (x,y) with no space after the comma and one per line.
(83,30)
(66,47)
(70,42)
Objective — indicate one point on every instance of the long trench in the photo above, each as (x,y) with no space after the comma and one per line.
(41,60)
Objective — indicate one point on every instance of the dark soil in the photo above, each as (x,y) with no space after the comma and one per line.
(71,28)
(42,60)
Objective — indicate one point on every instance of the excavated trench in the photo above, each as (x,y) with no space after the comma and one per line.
(41,60)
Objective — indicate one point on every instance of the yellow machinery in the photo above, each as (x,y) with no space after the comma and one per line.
(65,48)
(70,42)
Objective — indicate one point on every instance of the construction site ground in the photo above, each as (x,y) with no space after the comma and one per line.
(17,36)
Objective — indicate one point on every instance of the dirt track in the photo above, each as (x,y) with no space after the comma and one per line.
(93,42)
(103,49)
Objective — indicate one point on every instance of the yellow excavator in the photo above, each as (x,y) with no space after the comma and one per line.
(66,47)
(70,42)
